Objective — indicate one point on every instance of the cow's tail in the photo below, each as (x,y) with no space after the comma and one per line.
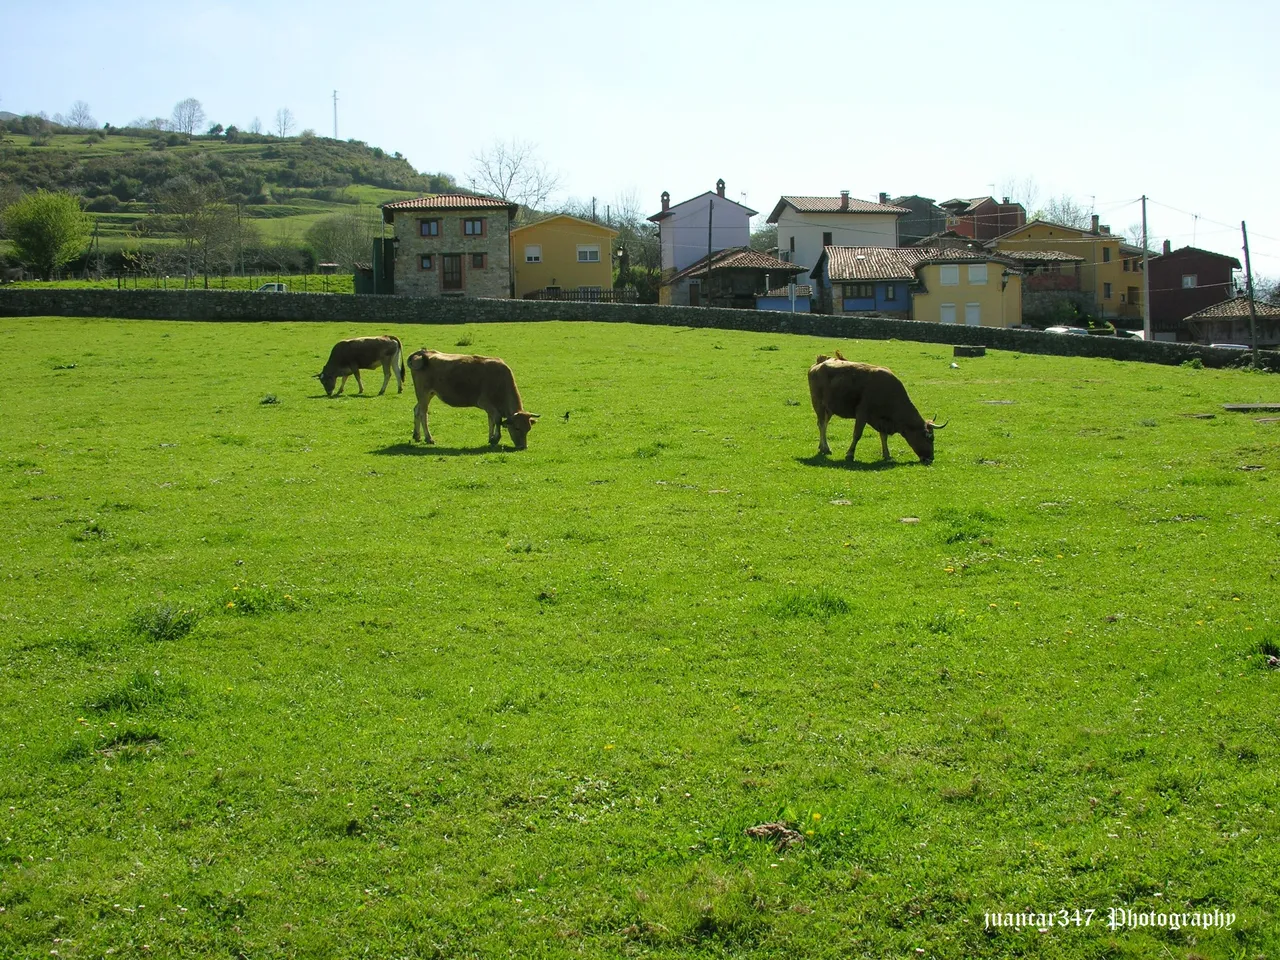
(399,360)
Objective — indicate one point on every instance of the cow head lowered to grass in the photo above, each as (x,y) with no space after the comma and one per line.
(871,395)
(469,381)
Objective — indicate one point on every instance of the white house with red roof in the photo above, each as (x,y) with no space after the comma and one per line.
(452,244)
(704,224)
(808,224)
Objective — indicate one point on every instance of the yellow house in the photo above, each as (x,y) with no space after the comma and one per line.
(1112,270)
(984,292)
(562,253)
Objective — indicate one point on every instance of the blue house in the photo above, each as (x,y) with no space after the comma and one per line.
(867,279)
(779,298)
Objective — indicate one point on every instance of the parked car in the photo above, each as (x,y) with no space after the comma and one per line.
(1074,330)
(273,288)
(1131,334)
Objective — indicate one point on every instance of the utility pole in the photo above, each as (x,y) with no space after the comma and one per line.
(1253,310)
(1146,283)
(711,204)
(335,114)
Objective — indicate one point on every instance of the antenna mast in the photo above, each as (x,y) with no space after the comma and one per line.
(335,114)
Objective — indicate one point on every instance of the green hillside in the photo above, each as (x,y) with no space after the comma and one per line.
(279,186)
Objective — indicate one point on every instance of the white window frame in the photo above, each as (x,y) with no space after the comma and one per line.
(949,275)
(977,274)
(533,253)
(943,310)
(588,249)
(974,311)
(1193,277)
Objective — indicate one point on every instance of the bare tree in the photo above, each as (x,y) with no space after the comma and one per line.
(1023,190)
(188,115)
(196,213)
(80,116)
(256,126)
(1066,211)
(345,238)
(1266,288)
(284,121)
(514,172)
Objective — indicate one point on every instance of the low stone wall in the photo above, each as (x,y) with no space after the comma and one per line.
(242,306)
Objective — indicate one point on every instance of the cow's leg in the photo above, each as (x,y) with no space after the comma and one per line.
(857,435)
(823,418)
(420,420)
(495,428)
(884,445)
(386,377)
(342,385)
(356,371)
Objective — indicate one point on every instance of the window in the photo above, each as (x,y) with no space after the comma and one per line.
(973,314)
(826,238)
(1106,291)
(589,253)
(451,267)
(477,261)
(473,227)
(1189,281)
(429,228)
(858,291)
(533,253)
(1106,254)
(947,313)
(1128,265)
(891,291)
(978,274)
(793,244)
(950,277)
(427,262)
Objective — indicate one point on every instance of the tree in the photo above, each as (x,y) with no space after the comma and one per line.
(80,116)
(344,238)
(187,115)
(215,130)
(284,121)
(513,171)
(204,225)
(47,230)
(1066,211)
(256,126)
(765,239)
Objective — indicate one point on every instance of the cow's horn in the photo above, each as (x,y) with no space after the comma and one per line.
(939,426)
(533,416)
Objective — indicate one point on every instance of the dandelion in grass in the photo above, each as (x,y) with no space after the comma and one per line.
(230,604)
(817,818)
(608,746)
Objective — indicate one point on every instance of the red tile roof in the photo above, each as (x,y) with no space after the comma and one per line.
(895,263)
(1235,309)
(741,258)
(1051,256)
(831,205)
(451,201)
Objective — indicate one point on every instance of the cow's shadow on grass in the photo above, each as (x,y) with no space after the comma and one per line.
(408,449)
(840,463)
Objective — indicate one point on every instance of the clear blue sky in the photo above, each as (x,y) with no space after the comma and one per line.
(1100,100)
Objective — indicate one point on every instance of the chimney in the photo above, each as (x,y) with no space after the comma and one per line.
(1095,223)
(1168,247)
(666,201)
(720,188)
(844,199)
(1006,201)
(884,197)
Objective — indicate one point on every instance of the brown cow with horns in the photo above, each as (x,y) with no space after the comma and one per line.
(462,380)
(871,395)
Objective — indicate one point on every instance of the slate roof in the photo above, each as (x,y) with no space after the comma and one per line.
(895,263)
(1200,252)
(831,205)
(740,258)
(1235,309)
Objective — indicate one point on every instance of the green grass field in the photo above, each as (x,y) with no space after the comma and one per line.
(279,683)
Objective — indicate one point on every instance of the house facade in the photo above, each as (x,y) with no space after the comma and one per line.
(982,218)
(451,244)
(808,224)
(933,284)
(704,224)
(1110,269)
(562,253)
(923,219)
(1185,281)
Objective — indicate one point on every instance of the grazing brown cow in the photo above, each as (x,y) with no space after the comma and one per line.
(867,395)
(363,353)
(468,381)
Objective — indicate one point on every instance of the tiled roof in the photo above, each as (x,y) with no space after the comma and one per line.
(741,258)
(1236,308)
(895,263)
(451,201)
(1199,252)
(802,290)
(832,205)
(1051,256)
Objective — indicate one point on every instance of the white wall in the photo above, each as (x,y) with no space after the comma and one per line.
(684,233)
(847,230)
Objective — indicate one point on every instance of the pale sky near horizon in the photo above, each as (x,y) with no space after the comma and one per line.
(1101,101)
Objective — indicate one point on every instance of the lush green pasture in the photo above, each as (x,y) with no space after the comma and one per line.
(278,683)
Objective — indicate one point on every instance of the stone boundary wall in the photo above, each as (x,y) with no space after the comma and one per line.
(245,306)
